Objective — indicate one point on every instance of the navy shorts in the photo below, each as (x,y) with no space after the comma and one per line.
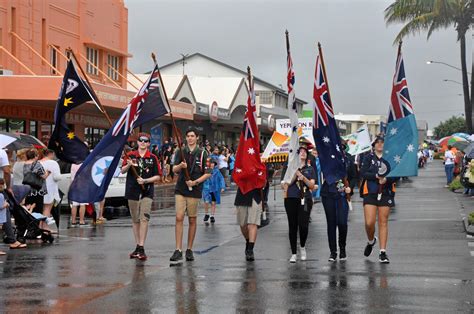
(385,201)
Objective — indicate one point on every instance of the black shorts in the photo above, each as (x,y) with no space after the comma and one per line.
(385,201)
(213,197)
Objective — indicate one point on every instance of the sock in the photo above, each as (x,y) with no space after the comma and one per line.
(371,242)
(383,250)
(251,245)
(246,244)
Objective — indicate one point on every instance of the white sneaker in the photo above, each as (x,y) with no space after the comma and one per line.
(303,253)
(50,220)
(293,258)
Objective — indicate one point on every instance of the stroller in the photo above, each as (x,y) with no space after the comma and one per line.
(27,226)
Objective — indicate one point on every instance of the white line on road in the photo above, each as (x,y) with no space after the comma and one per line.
(470,244)
(472,253)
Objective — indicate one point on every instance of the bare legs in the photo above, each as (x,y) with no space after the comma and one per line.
(370,213)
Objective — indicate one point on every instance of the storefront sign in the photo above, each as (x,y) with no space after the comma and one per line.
(213,112)
(223,114)
(271,123)
(283,126)
(202,110)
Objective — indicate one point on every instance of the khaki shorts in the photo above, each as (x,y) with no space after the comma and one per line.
(140,210)
(187,205)
(249,215)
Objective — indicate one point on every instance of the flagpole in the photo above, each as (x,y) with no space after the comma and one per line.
(175,128)
(96,99)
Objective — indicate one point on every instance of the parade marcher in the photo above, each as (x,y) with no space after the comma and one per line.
(249,213)
(378,193)
(188,191)
(298,203)
(211,192)
(336,208)
(139,190)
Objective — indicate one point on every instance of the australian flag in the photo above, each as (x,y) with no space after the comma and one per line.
(325,132)
(250,172)
(401,137)
(74,92)
(94,176)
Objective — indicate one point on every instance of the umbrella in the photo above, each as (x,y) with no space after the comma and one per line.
(6,140)
(462,135)
(450,140)
(461,145)
(22,141)
(469,151)
(471,138)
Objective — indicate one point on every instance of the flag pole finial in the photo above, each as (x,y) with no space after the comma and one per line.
(249,77)
(400,46)
(153,56)
(319,45)
(287,34)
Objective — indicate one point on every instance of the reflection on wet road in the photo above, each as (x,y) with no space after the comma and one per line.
(88,269)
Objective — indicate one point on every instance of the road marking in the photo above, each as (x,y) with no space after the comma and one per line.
(469,236)
(470,244)
(472,253)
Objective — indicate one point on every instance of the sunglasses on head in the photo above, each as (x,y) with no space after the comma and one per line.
(144,140)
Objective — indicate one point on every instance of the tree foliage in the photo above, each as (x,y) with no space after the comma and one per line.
(450,126)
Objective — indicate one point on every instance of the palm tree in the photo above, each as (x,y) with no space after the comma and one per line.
(432,15)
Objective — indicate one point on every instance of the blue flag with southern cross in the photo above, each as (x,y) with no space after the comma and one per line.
(401,138)
(325,132)
(93,177)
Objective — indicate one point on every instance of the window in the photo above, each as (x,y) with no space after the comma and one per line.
(12,125)
(113,63)
(265,98)
(93,136)
(54,59)
(34,128)
(93,61)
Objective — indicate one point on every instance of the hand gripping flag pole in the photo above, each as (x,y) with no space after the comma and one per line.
(176,131)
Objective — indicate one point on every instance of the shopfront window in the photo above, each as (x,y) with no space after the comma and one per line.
(12,125)
(93,136)
(34,128)
(113,67)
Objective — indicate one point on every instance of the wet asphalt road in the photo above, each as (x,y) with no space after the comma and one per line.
(88,270)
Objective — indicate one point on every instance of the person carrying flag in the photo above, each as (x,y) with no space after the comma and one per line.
(188,191)
(394,156)
(299,202)
(378,192)
(250,176)
(139,190)
(333,163)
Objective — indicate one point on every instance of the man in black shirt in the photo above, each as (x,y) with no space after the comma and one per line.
(139,190)
(188,191)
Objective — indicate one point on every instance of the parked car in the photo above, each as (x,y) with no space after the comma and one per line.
(113,197)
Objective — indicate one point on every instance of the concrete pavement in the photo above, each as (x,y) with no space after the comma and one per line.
(88,270)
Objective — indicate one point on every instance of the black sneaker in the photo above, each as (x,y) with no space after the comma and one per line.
(332,258)
(189,255)
(369,247)
(206,219)
(141,254)
(177,257)
(249,256)
(134,254)
(383,258)
(213,220)
(342,254)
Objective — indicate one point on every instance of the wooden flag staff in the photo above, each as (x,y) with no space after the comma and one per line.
(175,128)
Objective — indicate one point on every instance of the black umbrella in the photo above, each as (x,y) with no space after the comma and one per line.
(23,141)
(56,210)
(469,151)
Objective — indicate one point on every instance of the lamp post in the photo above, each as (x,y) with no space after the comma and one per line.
(446,64)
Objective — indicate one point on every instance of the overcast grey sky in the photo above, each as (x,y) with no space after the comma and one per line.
(358,50)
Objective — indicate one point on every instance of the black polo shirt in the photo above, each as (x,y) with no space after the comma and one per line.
(148,166)
(197,166)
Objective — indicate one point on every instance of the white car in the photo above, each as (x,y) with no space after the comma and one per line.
(115,193)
